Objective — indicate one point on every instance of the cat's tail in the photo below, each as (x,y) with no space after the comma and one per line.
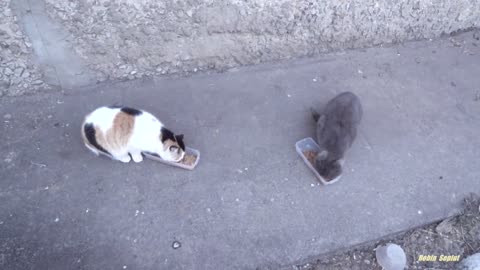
(89,138)
(315,114)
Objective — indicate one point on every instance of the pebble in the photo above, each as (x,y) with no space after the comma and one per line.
(445,227)
(19,71)
(176,245)
(7,116)
(7,71)
(476,35)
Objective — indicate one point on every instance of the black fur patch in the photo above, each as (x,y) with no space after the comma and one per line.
(89,130)
(167,134)
(180,142)
(131,111)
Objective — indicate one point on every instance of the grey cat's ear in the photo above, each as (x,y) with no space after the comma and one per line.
(321,120)
(322,155)
(315,114)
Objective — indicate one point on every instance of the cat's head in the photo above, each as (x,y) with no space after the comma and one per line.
(327,167)
(173,147)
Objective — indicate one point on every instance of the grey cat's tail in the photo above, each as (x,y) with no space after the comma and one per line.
(315,114)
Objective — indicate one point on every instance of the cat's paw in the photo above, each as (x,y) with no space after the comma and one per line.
(125,159)
(137,158)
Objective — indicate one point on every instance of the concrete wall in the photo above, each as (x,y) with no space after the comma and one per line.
(129,38)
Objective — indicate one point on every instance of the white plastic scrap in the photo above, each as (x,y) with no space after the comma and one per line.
(391,257)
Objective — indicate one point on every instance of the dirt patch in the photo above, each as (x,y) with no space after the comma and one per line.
(455,236)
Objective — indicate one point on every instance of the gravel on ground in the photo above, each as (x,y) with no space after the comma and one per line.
(456,236)
(18,74)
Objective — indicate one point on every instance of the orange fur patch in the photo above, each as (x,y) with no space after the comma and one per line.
(120,132)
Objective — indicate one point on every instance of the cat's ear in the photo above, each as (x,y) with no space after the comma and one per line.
(179,139)
(315,114)
(322,155)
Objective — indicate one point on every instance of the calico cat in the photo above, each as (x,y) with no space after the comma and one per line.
(124,133)
(336,130)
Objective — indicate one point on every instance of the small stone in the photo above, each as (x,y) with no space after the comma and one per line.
(37,82)
(445,227)
(57,220)
(476,35)
(366,261)
(124,267)
(176,245)
(26,74)
(7,116)
(19,71)
(133,72)
(28,44)
(7,71)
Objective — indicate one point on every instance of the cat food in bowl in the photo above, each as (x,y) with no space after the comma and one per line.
(189,161)
(308,149)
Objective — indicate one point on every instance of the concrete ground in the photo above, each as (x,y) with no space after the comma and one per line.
(251,203)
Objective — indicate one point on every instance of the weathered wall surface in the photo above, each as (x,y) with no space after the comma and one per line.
(132,38)
(17,73)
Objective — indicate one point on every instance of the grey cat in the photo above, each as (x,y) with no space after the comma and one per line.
(336,131)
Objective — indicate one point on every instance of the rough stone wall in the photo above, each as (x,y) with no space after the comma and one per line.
(132,38)
(17,73)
